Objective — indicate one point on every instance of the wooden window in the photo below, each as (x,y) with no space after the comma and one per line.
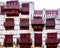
(8,41)
(9,24)
(24,24)
(50,23)
(38,39)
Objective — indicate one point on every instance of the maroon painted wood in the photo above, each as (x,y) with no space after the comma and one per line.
(37,24)
(25,41)
(50,23)
(52,35)
(9,24)
(12,13)
(36,35)
(25,5)
(38,12)
(8,41)
(25,9)
(9,19)
(52,40)
(38,39)
(12,8)
(25,38)
(12,4)
(24,24)
(25,46)
(51,11)
(25,35)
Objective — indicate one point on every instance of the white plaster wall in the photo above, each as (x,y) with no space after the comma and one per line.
(57,27)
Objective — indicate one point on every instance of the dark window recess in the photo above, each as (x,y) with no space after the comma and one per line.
(38,40)
(9,24)
(9,28)
(12,8)
(25,41)
(24,24)
(1,10)
(50,23)
(55,46)
(51,46)
(8,41)
(37,24)
(25,13)
(25,9)
(24,27)
(37,27)
(50,27)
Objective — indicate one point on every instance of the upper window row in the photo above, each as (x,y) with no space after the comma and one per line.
(36,25)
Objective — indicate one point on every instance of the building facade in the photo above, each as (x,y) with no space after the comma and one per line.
(21,26)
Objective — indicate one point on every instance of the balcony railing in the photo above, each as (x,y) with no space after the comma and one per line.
(12,4)
(38,12)
(11,7)
(51,11)
(12,13)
